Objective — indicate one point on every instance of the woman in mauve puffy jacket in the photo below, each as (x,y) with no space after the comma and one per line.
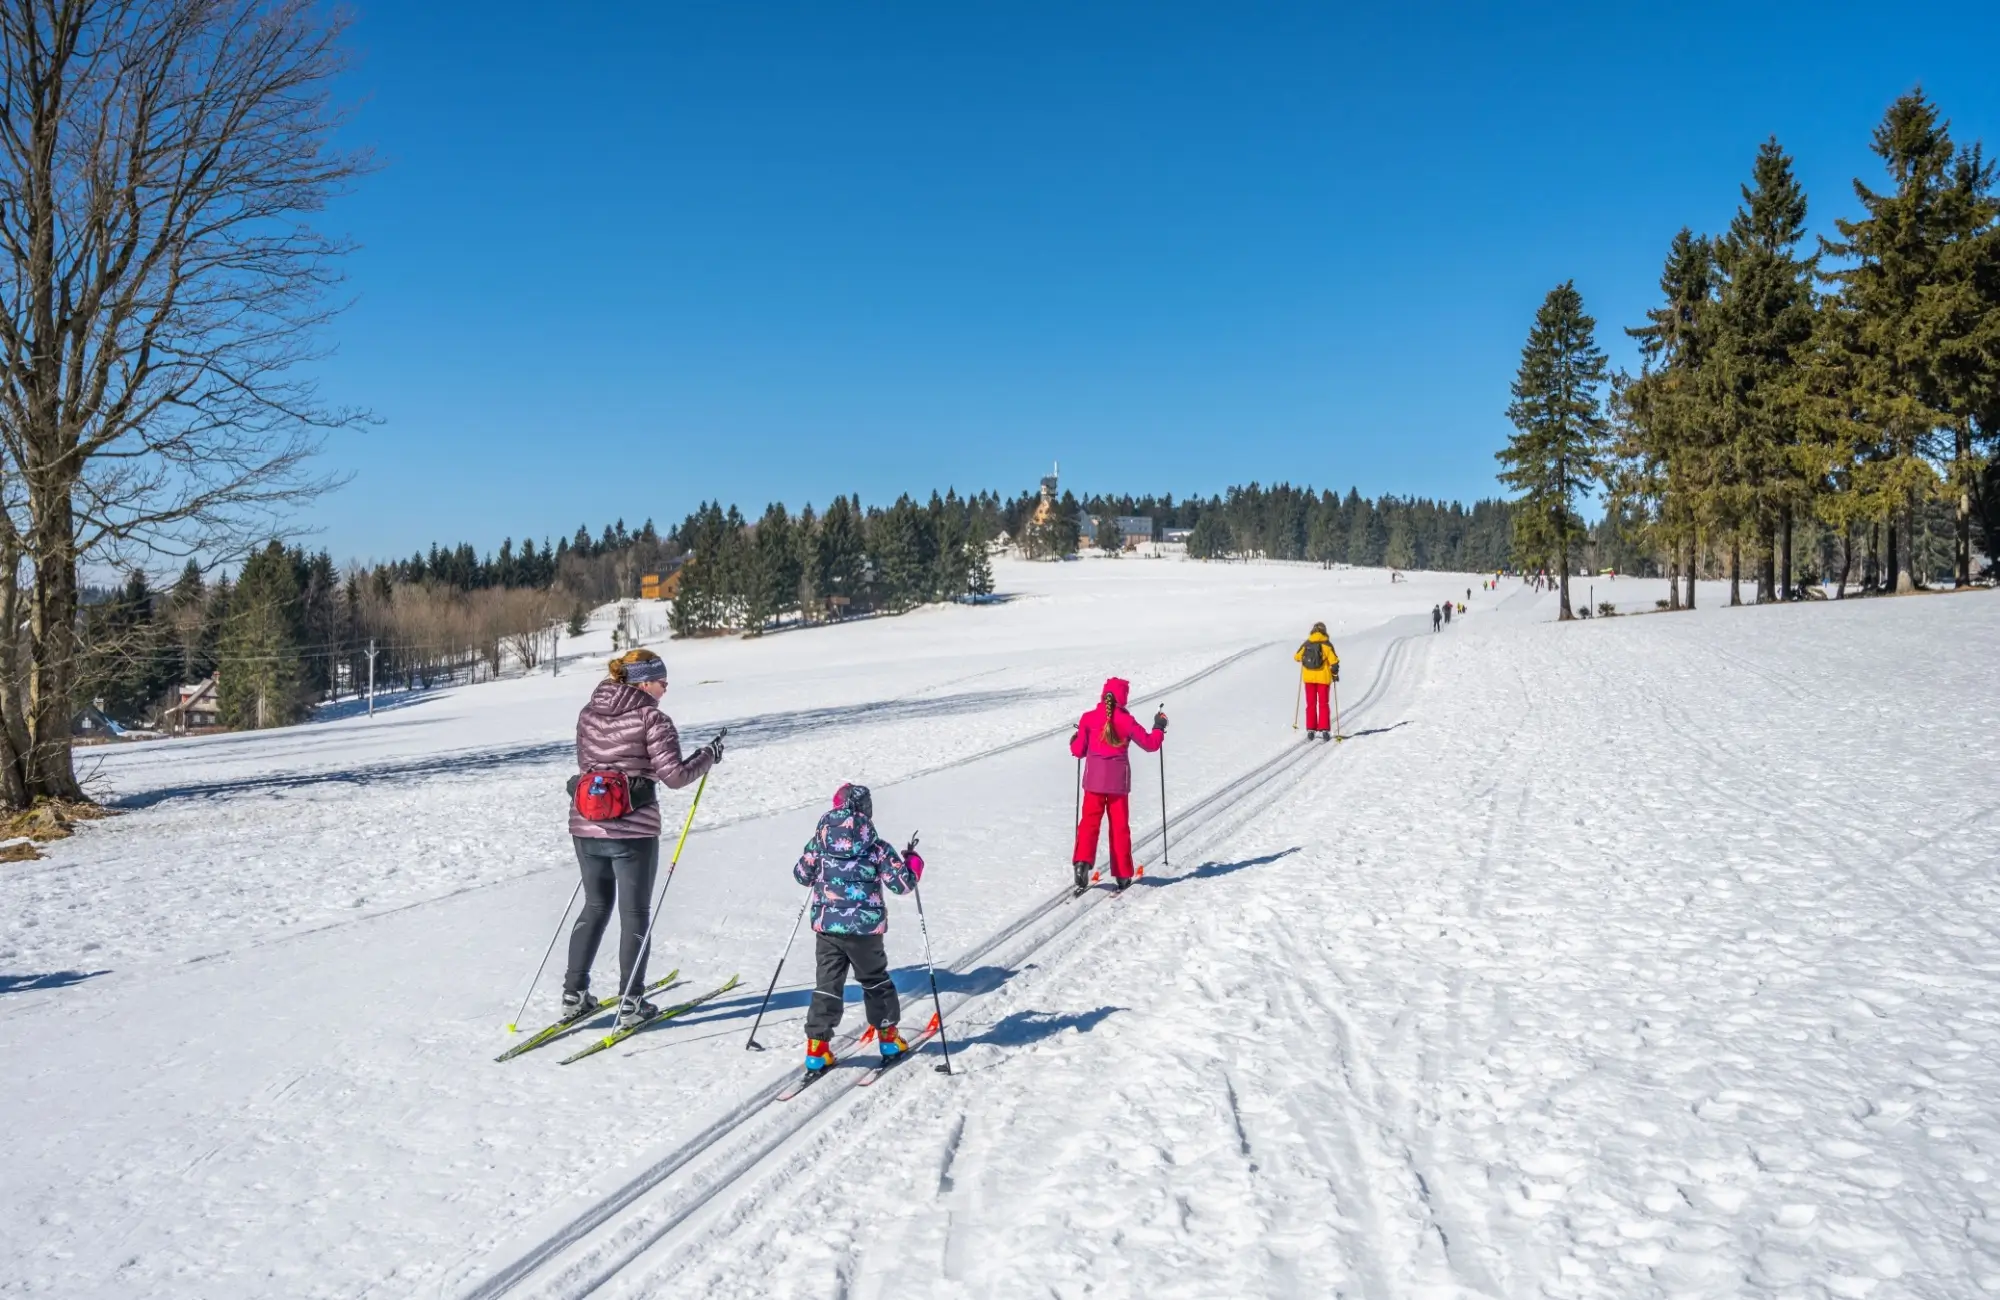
(623,730)
(1100,741)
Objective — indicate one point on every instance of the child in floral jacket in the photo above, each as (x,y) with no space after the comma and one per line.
(847,866)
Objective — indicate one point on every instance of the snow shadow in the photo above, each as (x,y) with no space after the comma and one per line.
(1210,870)
(784,726)
(757,727)
(385,702)
(55,979)
(1376,731)
(1025,1027)
(911,982)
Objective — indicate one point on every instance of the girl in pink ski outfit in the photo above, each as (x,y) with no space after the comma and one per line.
(1100,741)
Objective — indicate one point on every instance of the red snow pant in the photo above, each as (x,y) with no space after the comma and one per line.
(1094,807)
(1316,693)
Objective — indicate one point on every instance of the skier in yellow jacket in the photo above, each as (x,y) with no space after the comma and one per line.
(1319,668)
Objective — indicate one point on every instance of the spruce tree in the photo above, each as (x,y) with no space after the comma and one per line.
(1762,320)
(979,561)
(259,662)
(1664,429)
(1556,454)
(1886,294)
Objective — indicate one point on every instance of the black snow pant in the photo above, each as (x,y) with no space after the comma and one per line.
(834,953)
(620,869)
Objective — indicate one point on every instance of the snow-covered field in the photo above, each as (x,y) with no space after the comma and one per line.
(1650,956)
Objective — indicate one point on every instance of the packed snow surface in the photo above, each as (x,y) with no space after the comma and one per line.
(1641,957)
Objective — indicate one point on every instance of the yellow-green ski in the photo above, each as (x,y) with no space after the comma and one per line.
(562,1027)
(618,1036)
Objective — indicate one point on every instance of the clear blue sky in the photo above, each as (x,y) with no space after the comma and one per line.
(624,256)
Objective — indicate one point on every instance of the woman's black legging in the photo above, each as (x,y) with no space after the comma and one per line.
(620,869)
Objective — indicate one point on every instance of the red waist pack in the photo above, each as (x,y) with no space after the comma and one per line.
(605,796)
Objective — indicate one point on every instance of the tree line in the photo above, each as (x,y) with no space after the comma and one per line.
(1848,390)
(1287,523)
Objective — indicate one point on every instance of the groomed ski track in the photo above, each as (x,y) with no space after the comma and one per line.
(682,1200)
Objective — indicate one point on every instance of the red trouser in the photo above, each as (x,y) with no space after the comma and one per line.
(1316,707)
(1094,807)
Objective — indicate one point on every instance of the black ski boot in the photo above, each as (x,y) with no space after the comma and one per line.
(635,1011)
(1082,876)
(577,1005)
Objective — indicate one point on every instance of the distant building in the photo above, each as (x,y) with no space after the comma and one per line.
(92,723)
(1137,530)
(195,708)
(1173,541)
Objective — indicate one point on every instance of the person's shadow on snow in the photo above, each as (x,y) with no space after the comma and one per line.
(1025,1027)
(1210,870)
(55,979)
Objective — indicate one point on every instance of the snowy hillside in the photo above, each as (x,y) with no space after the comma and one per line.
(1649,956)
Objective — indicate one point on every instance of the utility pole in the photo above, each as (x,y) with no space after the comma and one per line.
(371,676)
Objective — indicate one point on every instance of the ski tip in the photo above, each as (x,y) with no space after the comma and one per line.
(932,1027)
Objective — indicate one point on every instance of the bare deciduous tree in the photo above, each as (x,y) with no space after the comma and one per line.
(160,285)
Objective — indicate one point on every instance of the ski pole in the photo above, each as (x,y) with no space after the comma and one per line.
(646,943)
(937,1006)
(753,1045)
(513,1026)
(1163,800)
(1295,702)
(1337,733)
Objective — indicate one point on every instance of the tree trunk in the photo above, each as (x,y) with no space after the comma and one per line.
(1906,572)
(1871,563)
(1687,574)
(1846,560)
(13,721)
(1674,577)
(1885,577)
(52,677)
(1562,555)
(1785,554)
(1767,565)
(1735,571)
(1962,557)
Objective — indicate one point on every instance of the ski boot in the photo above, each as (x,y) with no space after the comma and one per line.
(819,1057)
(894,1045)
(1121,883)
(577,1005)
(1082,876)
(635,1011)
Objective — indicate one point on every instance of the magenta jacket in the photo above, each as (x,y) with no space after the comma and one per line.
(623,730)
(1107,768)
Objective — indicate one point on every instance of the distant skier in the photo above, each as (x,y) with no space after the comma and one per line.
(624,746)
(1319,668)
(1437,617)
(1447,613)
(1100,740)
(847,865)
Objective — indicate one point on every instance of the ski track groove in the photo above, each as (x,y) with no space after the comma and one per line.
(626,1243)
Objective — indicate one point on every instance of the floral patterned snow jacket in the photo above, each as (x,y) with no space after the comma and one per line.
(847,864)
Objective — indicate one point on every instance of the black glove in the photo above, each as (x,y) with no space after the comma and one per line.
(1336,672)
(714,748)
(1160,721)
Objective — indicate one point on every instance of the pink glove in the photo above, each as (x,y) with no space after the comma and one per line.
(915,862)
